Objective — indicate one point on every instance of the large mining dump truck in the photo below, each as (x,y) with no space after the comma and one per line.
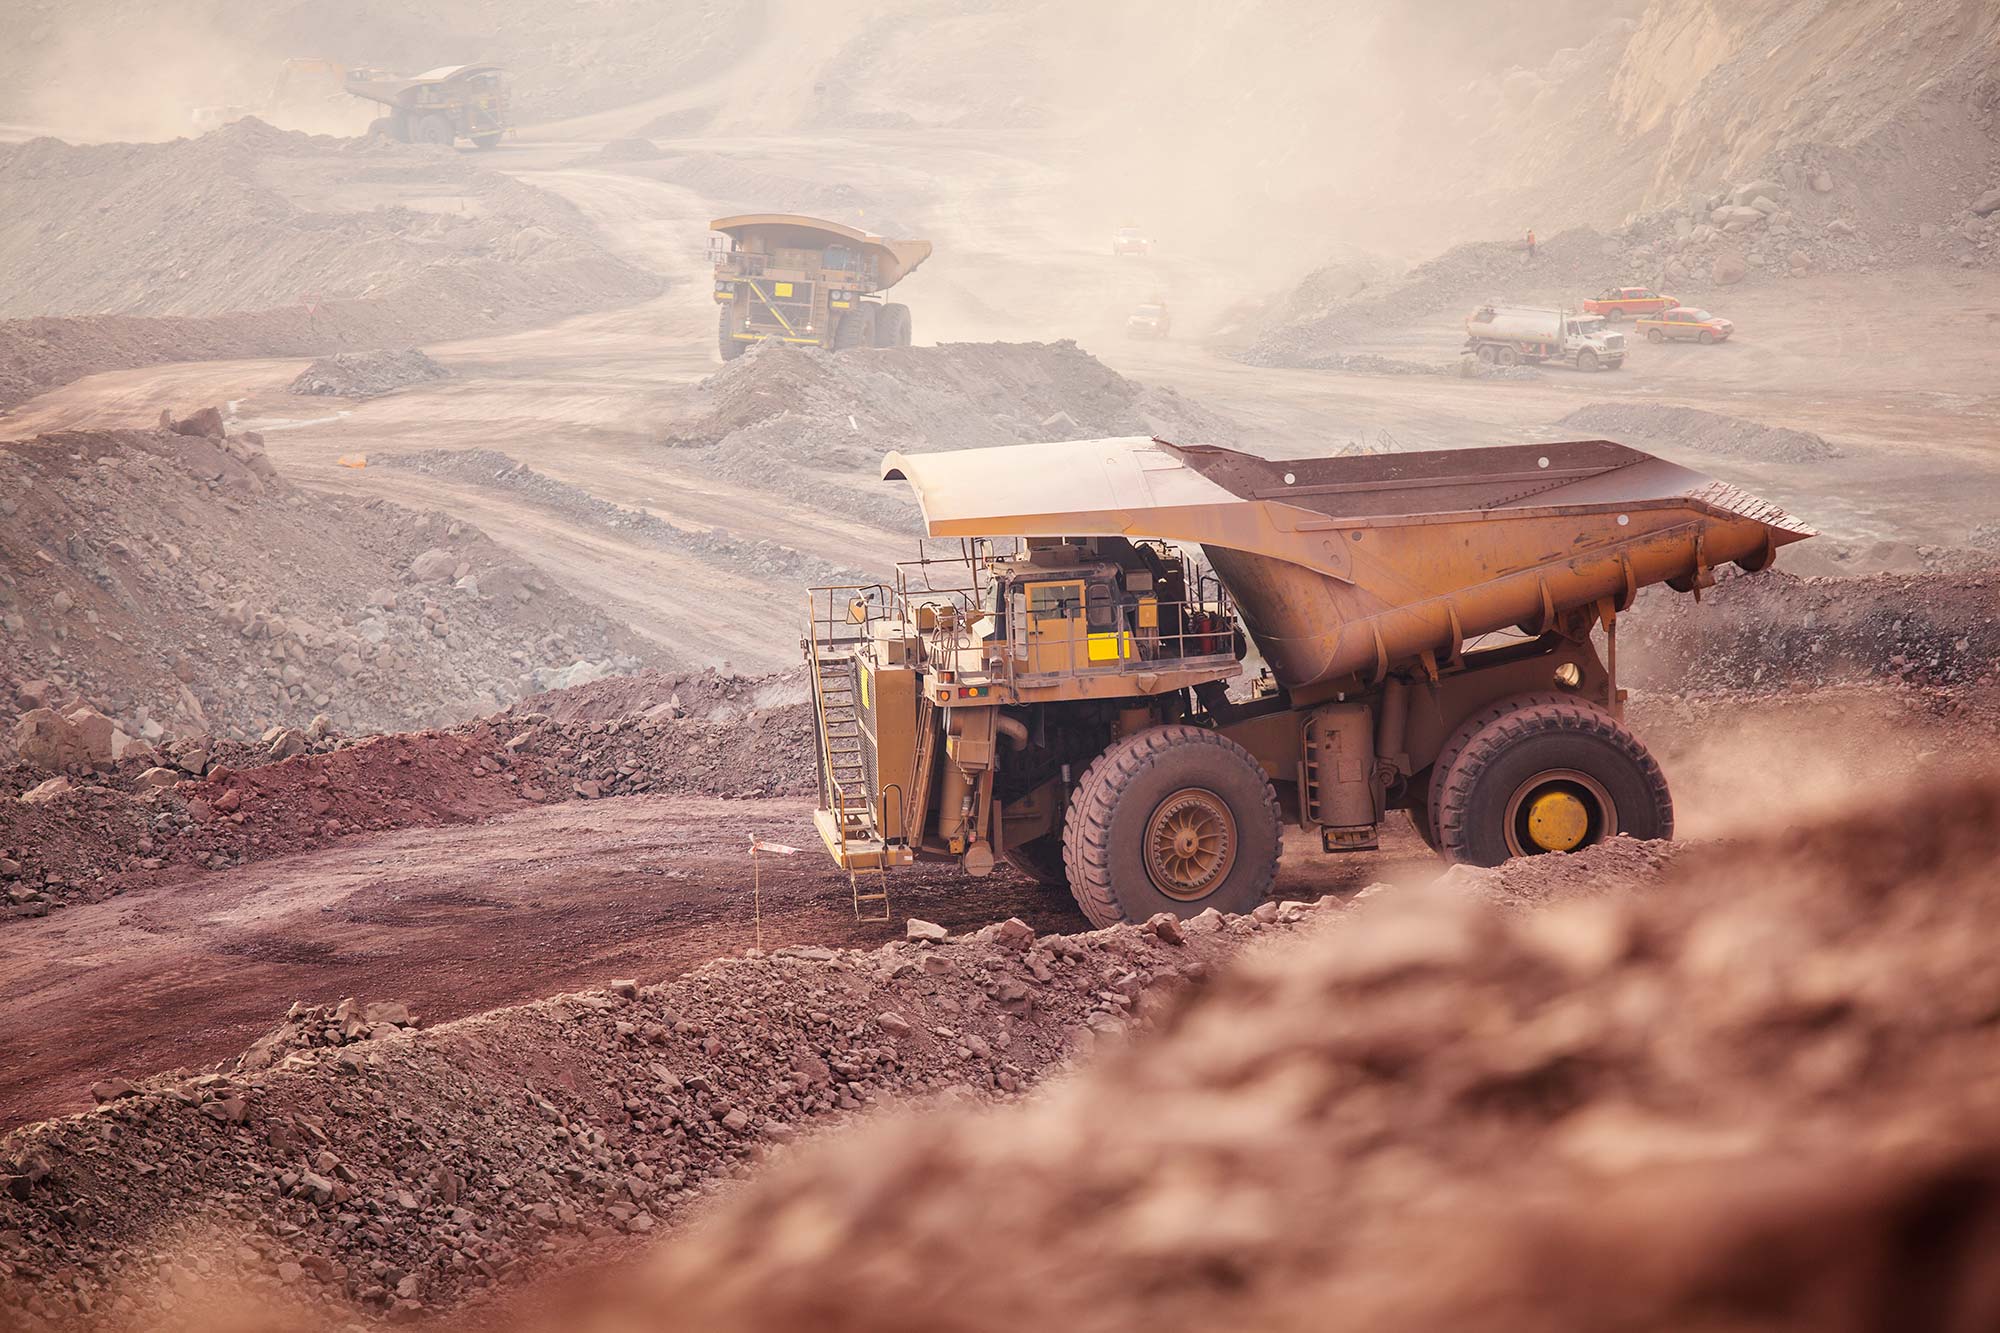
(440,106)
(808,281)
(1066,690)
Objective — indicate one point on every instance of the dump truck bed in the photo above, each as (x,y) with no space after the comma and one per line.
(1345,567)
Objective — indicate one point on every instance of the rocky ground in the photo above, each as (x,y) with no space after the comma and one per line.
(351,1165)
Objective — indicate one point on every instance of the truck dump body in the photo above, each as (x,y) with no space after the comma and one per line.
(1346,567)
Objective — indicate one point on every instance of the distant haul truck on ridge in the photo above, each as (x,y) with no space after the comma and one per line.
(440,106)
(1508,335)
(780,277)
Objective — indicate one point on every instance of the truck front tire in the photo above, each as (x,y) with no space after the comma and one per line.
(1544,773)
(1173,819)
(892,325)
(855,329)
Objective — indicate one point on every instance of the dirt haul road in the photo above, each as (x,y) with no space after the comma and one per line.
(1911,395)
(461,919)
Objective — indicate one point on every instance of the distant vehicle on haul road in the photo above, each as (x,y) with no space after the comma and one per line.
(1686,324)
(1620,302)
(1151,320)
(785,278)
(1130,241)
(1507,335)
(440,106)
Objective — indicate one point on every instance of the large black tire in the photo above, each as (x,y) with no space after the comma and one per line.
(1041,860)
(1507,356)
(1546,746)
(1586,360)
(1173,819)
(488,140)
(724,343)
(435,129)
(892,325)
(384,126)
(856,329)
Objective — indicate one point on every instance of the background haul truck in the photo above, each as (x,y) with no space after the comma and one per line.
(808,281)
(1057,694)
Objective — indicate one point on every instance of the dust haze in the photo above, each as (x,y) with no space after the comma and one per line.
(492,836)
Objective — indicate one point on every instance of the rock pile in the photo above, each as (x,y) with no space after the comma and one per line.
(1652,425)
(159,577)
(788,418)
(409,1170)
(1717,1105)
(367,374)
(1777,631)
(311,1027)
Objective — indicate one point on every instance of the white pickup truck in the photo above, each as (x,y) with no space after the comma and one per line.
(1507,335)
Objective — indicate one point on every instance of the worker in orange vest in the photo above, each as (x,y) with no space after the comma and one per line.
(1531,245)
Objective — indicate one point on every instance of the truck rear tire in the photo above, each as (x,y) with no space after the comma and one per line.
(1173,819)
(435,129)
(1041,860)
(1546,773)
(892,325)
(1507,356)
(384,126)
(487,140)
(725,340)
(855,329)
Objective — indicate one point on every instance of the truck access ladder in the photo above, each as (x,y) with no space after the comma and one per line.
(846,817)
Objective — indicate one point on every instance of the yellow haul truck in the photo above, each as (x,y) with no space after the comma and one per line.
(1057,694)
(779,276)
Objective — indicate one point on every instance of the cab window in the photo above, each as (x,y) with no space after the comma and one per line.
(1054,599)
(1102,609)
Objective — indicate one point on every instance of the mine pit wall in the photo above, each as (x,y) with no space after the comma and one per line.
(407,1172)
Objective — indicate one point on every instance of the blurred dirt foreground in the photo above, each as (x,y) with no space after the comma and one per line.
(1748,1085)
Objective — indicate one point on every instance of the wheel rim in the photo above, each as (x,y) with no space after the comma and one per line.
(1561,810)
(1190,844)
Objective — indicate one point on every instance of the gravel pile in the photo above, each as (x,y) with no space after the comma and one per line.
(1653,425)
(175,582)
(490,469)
(809,422)
(367,374)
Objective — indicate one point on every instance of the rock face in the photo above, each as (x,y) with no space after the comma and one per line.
(45,739)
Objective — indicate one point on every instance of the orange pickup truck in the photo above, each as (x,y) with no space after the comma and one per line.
(1683,322)
(1633,302)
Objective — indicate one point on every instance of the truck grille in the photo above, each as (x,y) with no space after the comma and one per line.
(1614,342)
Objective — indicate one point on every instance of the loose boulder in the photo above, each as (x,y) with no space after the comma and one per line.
(1729,270)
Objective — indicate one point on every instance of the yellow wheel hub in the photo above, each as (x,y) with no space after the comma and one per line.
(1558,821)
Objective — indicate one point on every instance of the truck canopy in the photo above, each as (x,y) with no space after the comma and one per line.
(1349,565)
(392,89)
(894,260)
